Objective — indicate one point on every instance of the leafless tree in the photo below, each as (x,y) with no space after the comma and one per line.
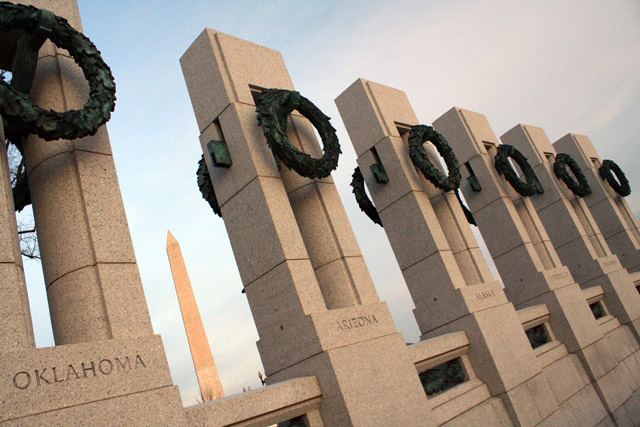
(26,224)
(206,395)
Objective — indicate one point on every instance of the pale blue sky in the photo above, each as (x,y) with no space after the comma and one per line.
(568,66)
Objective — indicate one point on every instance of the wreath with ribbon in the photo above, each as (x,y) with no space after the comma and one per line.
(526,188)
(206,187)
(607,170)
(365,204)
(273,107)
(578,182)
(418,135)
(27,118)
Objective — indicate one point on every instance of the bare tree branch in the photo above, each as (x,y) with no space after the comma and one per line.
(26,225)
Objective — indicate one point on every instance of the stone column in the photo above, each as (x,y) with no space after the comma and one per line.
(523,253)
(16,331)
(107,367)
(206,371)
(616,220)
(574,233)
(447,275)
(312,299)
(91,275)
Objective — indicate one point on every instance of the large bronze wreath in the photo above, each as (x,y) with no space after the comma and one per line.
(366,205)
(526,188)
(206,187)
(578,185)
(608,168)
(27,118)
(419,135)
(273,108)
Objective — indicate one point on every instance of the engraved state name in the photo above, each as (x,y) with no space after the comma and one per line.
(559,276)
(59,374)
(356,322)
(485,294)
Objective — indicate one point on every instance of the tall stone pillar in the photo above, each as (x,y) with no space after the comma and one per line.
(16,331)
(107,366)
(447,275)
(86,249)
(616,220)
(526,259)
(312,299)
(206,371)
(574,233)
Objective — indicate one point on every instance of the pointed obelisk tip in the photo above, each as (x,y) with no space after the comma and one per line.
(170,239)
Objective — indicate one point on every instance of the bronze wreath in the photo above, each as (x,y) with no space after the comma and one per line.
(417,136)
(206,188)
(503,167)
(442,377)
(27,118)
(273,108)
(578,185)
(608,168)
(366,205)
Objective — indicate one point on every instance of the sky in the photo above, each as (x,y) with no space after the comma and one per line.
(570,66)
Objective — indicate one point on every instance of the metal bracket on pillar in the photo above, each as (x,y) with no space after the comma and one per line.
(219,153)
(474,183)
(379,173)
(22,76)
(28,47)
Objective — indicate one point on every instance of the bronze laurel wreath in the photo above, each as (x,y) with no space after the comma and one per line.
(608,168)
(273,108)
(206,187)
(419,135)
(578,185)
(366,205)
(27,118)
(503,167)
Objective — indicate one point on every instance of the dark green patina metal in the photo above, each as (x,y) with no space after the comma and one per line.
(28,47)
(537,336)
(219,153)
(578,185)
(22,117)
(26,117)
(273,108)
(206,187)
(526,188)
(442,377)
(598,310)
(294,422)
(467,213)
(474,183)
(606,171)
(379,173)
(366,205)
(418,135)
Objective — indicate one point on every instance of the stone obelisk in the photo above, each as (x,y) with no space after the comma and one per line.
(208,378)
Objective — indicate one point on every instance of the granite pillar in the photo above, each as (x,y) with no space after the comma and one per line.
(526,259)
(312,299)
(106,356)
(16,331)
(447,275)
(86,249)
(574,233)
(614,217)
